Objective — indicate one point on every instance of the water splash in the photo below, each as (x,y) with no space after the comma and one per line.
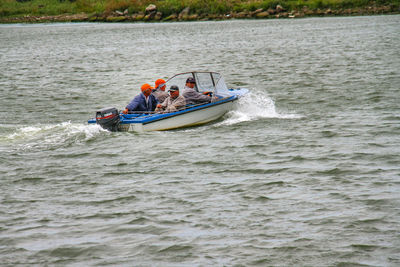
(52,136)
(256,105)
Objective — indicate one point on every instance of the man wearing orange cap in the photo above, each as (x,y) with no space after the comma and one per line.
(144,101)
(159,91)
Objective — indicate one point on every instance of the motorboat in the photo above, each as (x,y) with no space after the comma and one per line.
(191,115)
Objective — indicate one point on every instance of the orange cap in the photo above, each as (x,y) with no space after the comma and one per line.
(158,82)
(145,87)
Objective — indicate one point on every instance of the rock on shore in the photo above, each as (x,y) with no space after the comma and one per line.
(151,14)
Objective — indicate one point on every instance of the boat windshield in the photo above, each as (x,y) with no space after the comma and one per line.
(205,82)
(220,85)
(179,80)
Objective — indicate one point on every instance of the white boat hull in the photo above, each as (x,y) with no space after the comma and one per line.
(195,117)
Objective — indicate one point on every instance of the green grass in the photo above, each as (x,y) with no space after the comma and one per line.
(39,7)
(10,8)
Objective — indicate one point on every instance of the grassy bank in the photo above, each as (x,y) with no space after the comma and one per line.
(165,10)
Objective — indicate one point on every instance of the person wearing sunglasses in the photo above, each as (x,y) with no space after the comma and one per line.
(173,103)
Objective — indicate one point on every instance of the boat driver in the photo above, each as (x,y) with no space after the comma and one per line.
(193,97)
(145,101)
(172,103)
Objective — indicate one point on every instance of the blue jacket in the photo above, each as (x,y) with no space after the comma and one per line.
(139,103)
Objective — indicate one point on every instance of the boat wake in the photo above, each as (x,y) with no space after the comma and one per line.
(51,136)
(254,106)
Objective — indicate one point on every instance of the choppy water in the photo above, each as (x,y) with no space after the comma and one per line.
(306,171)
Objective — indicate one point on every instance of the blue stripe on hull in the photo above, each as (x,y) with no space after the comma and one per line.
(148,118)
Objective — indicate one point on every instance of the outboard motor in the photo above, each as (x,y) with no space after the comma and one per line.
(108,118)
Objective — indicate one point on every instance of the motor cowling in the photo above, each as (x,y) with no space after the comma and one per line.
(108,118)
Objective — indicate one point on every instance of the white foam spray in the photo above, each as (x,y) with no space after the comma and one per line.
(253,106)
(53,135)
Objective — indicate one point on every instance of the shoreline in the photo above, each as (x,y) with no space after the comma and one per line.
(184,15)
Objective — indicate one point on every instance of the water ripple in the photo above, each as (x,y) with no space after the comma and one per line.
(304,172)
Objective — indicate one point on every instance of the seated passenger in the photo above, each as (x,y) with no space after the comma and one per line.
(193,97)
(142,102)
(159,91)
(173,103)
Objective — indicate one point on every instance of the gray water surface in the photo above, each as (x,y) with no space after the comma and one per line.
(305,171)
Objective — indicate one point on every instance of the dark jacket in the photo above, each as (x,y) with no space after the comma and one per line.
(139,103)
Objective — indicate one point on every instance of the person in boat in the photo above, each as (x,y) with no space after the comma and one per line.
(159,91)
(145,101)
(193,97)
(172,103)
